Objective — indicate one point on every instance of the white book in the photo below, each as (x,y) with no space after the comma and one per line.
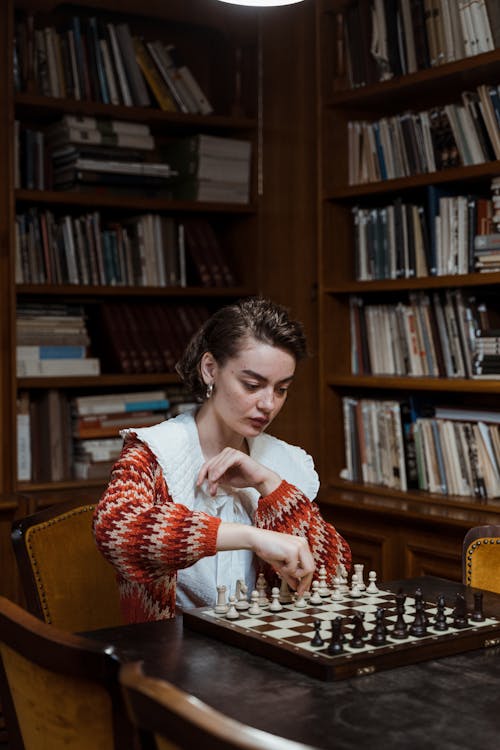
(84,122)
(51,64)
(69,249)
(28,368)
(120,69)
(411,57)
(117,402)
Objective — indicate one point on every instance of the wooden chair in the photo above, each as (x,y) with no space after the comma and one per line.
(481,558)
(66,580)
(167,718)
(59,690)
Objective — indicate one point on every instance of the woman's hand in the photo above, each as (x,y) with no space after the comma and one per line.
(236,469)
(289,555)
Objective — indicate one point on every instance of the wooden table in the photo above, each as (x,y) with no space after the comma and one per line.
(450,703)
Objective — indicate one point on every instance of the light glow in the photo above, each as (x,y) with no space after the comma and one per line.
(261,3)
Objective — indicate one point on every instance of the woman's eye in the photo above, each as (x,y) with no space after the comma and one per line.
(251,386)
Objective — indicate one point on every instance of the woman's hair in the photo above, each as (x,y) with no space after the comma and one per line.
(226,332)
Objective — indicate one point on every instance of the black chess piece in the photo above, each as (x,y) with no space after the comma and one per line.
(317,640)
(400,629)
(460,616)
(440,621)
(477,614)
(335,646)
(418,627)
(419,604)
(358,631)
(379,635)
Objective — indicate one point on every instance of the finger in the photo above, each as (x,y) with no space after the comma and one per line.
(304,584)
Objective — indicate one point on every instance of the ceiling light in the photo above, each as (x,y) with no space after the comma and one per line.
(261,3)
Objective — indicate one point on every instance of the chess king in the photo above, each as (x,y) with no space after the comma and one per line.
(208,498)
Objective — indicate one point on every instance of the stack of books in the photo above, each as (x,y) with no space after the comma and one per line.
(211,168)
(53,341)
(94,60)
(86,151)
(97,421)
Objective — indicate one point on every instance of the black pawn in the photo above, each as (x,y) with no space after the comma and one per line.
(440,621)
(335,646)
(358,632)
(460,617)
(317,640)
(400,629)
(379,636)
(418,627)
(478,615)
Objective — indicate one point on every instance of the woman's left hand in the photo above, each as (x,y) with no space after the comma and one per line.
(236,469)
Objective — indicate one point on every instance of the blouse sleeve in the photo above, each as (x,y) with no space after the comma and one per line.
(289,511)
(137,526)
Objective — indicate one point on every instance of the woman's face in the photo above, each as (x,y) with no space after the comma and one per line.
(251,388)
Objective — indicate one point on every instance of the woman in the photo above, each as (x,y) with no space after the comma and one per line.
(207,498)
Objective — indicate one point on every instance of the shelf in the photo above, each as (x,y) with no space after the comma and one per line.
(99,381)
(422,506)
(464,72)
(401,383)
(38,106)
(67,484)
(105,198)
(422,282)
(74,290)
(451,175)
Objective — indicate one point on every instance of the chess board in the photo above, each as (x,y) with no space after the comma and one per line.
(285,636)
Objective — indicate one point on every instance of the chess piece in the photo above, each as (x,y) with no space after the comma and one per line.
(275,605)
(286,596)
(358,631)
(440,621)
(300,602)
(419,604)
(323,589)
(358,569)
(477,615)
(337,594)
(372,583)
(254,608)
(261,587)
(222,606)
(341,574)
(379,635)
(400,629)
(335,646)
(460,616)
(418,627)
(315,597)
(355,591)
(232,613)
(242,603)
(317,640)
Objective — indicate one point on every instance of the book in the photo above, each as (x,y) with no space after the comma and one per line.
(23,433)
(203,105)
(156,400)
(155,81)
(134,76)
(28,368)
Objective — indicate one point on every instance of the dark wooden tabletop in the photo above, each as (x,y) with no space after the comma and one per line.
(450,703)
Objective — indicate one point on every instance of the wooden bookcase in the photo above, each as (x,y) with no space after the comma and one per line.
(397,533)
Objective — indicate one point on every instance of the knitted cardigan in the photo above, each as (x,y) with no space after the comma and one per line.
(148,537)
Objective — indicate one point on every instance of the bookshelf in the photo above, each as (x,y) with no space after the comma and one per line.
(220,46)
(395,530)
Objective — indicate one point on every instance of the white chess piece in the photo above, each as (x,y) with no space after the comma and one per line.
(300,602)
(285,593)
(358,569)
(315,597)
(232,613)
(372,583)
(242,603)
(337,590)
(342,576)
(355,590)
(222,606)
(254,606)
(323,589)
(275,605)
(261,587)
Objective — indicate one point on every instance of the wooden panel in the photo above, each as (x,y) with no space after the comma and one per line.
(436,554)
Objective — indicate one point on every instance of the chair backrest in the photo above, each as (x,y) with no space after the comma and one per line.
(481,557)
(167,718)
(66,580)
(59,690)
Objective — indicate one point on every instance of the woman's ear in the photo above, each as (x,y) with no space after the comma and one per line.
(208,368)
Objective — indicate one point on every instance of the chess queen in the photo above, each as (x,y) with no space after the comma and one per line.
(208,498)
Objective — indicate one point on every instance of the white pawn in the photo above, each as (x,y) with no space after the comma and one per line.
(337,595)
(232,613)
(275,605)
(300,602)
(315,597)
(221,607)
(372,583)
(254,606)
(323,589)
(358,569)
(355,590)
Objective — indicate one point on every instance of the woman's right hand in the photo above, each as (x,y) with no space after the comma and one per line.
(289,555)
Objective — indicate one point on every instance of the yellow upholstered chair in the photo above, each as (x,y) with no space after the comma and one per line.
(170,719)
(481,558)
(59,690)
(66,580)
